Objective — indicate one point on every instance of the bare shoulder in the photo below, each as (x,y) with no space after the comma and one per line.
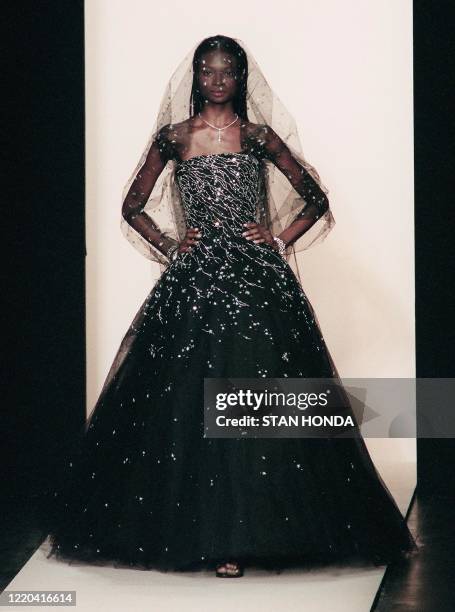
(253,128)
(187,125)
(179,132)
(261,132)
(171,134)
(182,124)
(168,128)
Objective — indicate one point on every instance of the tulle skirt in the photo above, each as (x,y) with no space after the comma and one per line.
(141,486)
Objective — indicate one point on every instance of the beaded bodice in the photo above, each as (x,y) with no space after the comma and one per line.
(219,192)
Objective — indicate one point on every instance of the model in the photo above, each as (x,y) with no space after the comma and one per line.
(143,487)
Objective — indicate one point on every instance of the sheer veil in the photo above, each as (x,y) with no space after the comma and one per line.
(282,202)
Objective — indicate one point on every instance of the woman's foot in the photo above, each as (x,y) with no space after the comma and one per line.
(230,569)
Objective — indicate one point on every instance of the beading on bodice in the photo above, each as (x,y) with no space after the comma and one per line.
(219,191)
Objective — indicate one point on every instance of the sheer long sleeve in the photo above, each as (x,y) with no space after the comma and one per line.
(306,186)
(139,192)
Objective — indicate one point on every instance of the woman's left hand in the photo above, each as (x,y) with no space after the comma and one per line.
(258,233)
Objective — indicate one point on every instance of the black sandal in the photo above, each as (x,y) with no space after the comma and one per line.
(236,572)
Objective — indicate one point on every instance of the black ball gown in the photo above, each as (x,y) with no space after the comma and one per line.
(144,489)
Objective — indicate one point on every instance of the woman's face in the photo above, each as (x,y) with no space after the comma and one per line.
(217,76)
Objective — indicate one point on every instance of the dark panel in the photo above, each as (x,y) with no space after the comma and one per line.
(434,55)
(44,223)
(425,583)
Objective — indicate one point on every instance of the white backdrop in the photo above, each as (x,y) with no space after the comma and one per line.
(344,69)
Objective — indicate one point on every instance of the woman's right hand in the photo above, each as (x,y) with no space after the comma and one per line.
(191,238)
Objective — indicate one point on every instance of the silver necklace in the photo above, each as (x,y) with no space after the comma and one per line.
(217,128)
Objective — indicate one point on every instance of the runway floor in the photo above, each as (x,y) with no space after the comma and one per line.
(112,589)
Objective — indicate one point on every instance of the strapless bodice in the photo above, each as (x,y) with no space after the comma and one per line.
(219,191)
